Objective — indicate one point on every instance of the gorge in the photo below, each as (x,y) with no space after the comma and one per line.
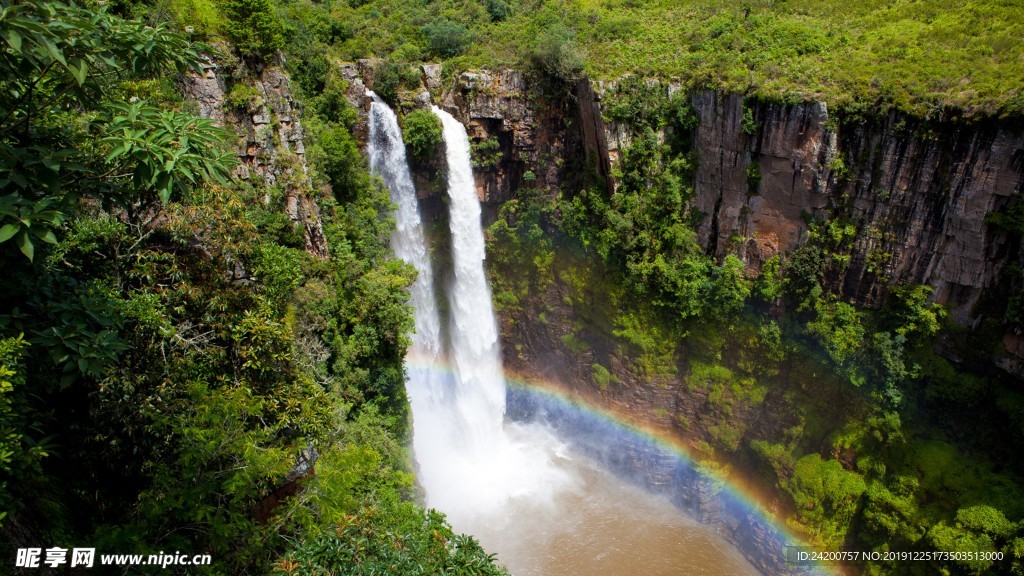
(794,150)
(500,287)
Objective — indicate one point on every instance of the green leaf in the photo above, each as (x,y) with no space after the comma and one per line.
(14,39)
(119,150)
(8,231)
(50,163)
(25,244)
(52,49)
(165,186)
(78,69)
(46,235)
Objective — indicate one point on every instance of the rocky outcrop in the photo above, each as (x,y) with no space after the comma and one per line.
(207,90)
(916,195)
(792,150)
(272,147)
(537,141)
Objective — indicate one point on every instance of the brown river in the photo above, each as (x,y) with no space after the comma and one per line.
(607,527)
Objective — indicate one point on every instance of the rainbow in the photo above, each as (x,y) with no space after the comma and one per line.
(645,448)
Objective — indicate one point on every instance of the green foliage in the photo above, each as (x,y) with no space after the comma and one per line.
(776,455)
(445,38)
(556,55)
(498,9)
(826,496)
(573,344)
(21,448)
(913,316)
(866,57)
(389,77)
(602,376)
(753,177)
(65,134)
(338,160)
(421,132)
(654,353)
(201,16)
(253,27)
(768,285)
(517,242)
(1010,219)
(243,98)
(185,365)
(390,537)
(486,153)
(748,125)
(837,326)
(837,165)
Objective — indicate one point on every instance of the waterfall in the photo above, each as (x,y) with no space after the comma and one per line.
(425,387)
(472,465)
(513,485)
(387,159)
(479,466)
(476,358)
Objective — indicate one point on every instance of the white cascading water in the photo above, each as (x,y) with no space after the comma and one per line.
(471,464)
(387,159)
(480,465)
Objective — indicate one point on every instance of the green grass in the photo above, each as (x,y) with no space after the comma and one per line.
(918,56)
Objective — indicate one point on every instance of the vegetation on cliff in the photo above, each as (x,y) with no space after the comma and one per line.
(871,439)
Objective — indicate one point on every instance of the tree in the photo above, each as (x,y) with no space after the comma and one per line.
(826,496)
(838,328)
(254,27)
(421,132)
(445,38)
(63,133)
(556,55)
(75,135)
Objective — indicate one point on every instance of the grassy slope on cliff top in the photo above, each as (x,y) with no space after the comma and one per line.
(917,55)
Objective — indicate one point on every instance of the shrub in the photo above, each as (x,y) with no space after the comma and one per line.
(253,27)
(389,76)
(421,132)
(445,38)
(753,177)
(243,97)
(498,10)
(748,125)
(602,376)
(486,153)
(555,55)
(826,496)
(340,161)
(201,15)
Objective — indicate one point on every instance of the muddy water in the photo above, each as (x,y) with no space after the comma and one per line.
(605,526)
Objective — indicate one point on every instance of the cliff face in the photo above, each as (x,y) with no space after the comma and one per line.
(916,195)
(272,147)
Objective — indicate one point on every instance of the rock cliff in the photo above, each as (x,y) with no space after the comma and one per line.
(916,193)
(271,147)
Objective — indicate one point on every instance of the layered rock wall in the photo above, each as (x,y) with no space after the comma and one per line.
(271,147)
(917,195)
